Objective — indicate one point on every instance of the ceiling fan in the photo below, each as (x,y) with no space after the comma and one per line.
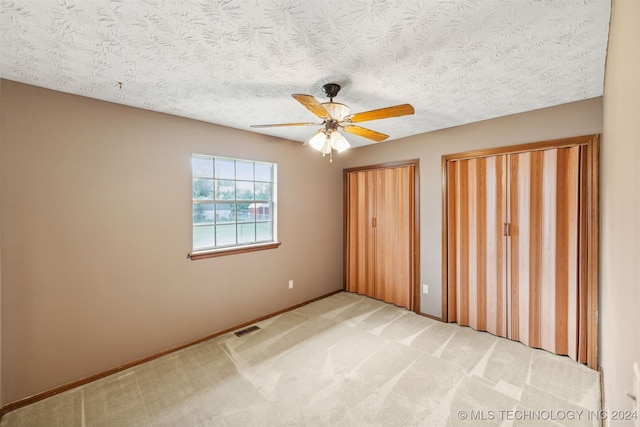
(337,116)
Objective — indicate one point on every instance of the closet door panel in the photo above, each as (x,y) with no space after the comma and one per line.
(495,273)
(546,260)
(519,245)
(380,241)
(393,228)
(585,354)
(570,242)
(544,248)
(360,236)
(462,243)
(476,257)
(453,226)
(548,310)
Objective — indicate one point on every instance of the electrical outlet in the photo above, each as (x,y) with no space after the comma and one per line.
(425,288)
(291,284)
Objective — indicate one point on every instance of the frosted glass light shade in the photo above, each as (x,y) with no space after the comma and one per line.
(317,140)
(325,141)
(326,146)
(338,142)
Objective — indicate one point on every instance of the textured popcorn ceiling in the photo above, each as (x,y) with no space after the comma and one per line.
(237,62)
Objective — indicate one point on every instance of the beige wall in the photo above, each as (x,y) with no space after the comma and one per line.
(0,245)
(620,206)
(579,118)
(96,226)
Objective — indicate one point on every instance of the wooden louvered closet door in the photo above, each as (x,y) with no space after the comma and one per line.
(516,245)
(379,234)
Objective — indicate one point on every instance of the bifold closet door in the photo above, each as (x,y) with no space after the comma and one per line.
(379,234)
(476,245)
(548,290)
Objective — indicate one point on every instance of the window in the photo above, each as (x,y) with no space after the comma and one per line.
(233,205)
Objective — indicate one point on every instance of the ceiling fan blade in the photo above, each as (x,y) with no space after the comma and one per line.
(365,133)
(382,113)
(312,104)
(285,124)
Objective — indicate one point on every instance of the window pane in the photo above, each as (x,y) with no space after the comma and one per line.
(244,170)
(262,211)
(246,233)
(264,232)
(202,189)
(264,172)
(202,167)
(203,237)
(225,190)
(226,235)
(225,169)
(203,213)
(233,202)
(244,190)
(225,212)
(246,212)
(263,190)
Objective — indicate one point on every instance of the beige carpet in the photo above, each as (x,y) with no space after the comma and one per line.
(346,360)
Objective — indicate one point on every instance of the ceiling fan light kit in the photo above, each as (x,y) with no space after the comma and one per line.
(328,141)
(337,116)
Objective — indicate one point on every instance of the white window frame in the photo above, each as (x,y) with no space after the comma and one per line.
(199,251)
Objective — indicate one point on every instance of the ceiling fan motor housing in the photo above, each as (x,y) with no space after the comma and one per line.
(331,90)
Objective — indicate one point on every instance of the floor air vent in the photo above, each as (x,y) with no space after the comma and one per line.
(246,331)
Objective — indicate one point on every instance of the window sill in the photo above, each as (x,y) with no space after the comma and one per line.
(232,251)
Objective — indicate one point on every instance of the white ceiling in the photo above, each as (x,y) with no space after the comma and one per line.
(237,62)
